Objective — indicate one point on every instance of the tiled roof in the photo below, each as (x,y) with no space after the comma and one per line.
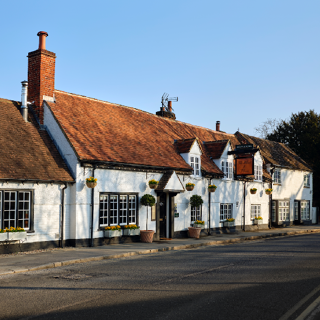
(103,131)
(106,132)
(215,148)
(184,146)
(276,153)
(26,152)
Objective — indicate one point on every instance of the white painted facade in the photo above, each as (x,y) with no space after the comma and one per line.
(77,221)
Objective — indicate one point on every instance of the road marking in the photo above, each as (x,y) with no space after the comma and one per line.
(306,312)
(290,312)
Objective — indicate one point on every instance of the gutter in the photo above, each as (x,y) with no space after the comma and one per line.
(209,232)
(270,199)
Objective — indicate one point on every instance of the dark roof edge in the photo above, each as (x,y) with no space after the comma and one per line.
(37,181)
(119,165)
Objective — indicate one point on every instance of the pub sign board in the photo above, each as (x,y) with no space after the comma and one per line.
(244,146)
(244,166)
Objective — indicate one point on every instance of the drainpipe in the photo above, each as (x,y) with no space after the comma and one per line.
(62,216)
(92,210)
(209,232)
(270,200)
(244,206)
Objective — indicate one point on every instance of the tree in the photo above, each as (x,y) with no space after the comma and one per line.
(267,128)
(301,133)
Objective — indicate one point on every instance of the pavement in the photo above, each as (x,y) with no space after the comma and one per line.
(45,259)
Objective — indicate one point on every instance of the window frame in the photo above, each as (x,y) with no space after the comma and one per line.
(227,169)
(195,163)
(276,214)
(197,213)
(18,208)
(258,172)
(256,213)
(118,209)
(299,212)
(277,176)
(306,182)
(229,208)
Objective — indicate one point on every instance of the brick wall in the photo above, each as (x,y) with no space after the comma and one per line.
(41,74)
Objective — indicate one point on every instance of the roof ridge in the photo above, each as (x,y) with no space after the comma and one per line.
(139,110)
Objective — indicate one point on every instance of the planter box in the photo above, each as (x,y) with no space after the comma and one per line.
(131,232)
(228,224)
(198,225)
(255,221)
(3,236)
(15,236)
(112,233)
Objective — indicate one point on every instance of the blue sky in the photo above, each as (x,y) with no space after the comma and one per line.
(239,62)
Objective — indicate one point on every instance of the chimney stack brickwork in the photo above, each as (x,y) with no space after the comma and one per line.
(41,74)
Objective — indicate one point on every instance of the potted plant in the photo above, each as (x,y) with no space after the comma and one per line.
(258,220)
(228,223)
(198,224)
(212,188)
(15,234)
(196,201)
(194,232)
(147,235)
(190,186)
(269,191)
(131,230)
(112,231)
(253,190)
(153,184)
(91,182)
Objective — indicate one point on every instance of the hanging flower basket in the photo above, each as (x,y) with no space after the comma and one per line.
(190,186)
(269,191)
(153,184)
(212,188)
(91,182)
(253,191)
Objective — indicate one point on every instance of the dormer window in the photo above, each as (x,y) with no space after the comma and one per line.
(306,180)
(277,176)
(227,169)
(258,172)
(195,164)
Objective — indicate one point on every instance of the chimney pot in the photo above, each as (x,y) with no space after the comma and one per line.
(24,107)
(170,106)
(42,39)
(218,126)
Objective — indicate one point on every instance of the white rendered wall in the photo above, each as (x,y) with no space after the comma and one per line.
(292,188)
(46,209)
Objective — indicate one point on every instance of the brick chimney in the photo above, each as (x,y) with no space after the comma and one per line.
(41,73)
(218,126)
(166,114)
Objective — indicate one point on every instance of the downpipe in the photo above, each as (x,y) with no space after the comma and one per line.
(62,216)
(92,210)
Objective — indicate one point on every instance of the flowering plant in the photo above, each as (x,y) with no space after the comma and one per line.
(189,184)
(117,228)
(153,181)
(230,220)
(131,226)
(91,179)
(12,229)
(253,189)
(269,190)
(212,186)
(258,218)
(199,222)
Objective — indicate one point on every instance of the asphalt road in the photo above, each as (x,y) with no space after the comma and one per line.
(275,278)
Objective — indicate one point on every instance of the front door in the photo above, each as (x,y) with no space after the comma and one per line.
(163,215)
